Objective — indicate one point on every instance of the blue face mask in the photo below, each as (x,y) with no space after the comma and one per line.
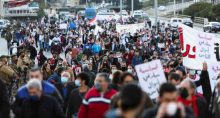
(77,83)
(64,79)
(98,86)
(34,98)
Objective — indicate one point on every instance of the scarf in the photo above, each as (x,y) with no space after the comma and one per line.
(191,103)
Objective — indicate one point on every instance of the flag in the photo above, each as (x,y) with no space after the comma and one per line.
(92,21)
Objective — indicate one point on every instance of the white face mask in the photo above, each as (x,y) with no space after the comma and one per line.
(114,70)
(130,70)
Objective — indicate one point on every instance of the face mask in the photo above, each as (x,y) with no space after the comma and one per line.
(113,71)
(183,93)
(129,70)
(77,83)
(64,79)
(124,68)
(192,72)
(98,86)
(34,98)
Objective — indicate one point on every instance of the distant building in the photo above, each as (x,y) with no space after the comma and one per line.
(72,3)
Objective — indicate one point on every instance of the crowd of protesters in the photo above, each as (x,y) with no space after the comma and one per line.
(96,78)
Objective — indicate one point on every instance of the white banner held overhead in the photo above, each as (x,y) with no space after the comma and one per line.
(196,47)
(151,76)
(132,28)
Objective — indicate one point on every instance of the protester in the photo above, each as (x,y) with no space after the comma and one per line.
(23,94)
(65,87)
(131,103)
(73,75)
(4,101)
(168,105)
(97,99)
(174,79)
(77,95)
(40,105)
(215,106)
(190,98)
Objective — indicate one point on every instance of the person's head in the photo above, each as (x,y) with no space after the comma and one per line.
(84,57)
(130,69)
(137,53)
(132,51)
(34,88)
(127,78)
(4,60)
(174,79)
(82,79)
(65,77)
(131,99)
(102,82)
(14,59)
(167,93)
(41,51)
(35,73)
(113,69)
(189,86)
(180,71)
(60,70)
(116,77)
(46,67)
(191,73)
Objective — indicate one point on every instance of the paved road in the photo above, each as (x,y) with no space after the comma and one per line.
(195,27)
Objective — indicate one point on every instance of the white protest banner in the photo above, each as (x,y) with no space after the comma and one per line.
(214,71)
(63,26)
(197,47)
(132,28)
(151,76)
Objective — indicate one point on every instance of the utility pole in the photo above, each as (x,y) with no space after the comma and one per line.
(45,3)
(182,4)
(132,7)
(155,13)
(174,5)
(121,9)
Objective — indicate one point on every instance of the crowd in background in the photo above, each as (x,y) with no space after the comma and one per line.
(91,74)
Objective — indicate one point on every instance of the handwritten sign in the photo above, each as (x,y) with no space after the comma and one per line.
(214,71)
(205,47)
(151,76)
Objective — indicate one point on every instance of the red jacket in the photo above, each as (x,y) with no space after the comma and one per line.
(94,105)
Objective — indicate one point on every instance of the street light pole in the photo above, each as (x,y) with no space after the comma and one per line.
(155,12)
(121,9)
(132,7)
(182,4)
(174,5)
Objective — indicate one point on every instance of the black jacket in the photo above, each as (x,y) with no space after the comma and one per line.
(4,101)
(74,103)
(206,87)
(46,107)
(65,96)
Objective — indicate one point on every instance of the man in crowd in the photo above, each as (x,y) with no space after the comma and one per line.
(4,101)
(23,94)
(168,106)
(190,98)
(40,105)
(97,100)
